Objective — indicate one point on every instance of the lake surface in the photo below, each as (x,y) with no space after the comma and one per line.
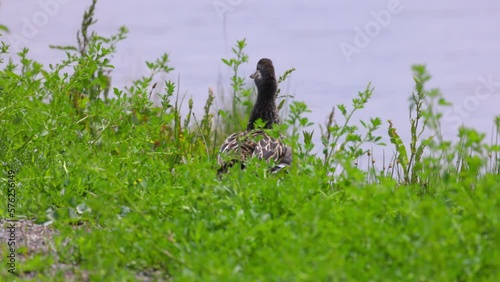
(337,47)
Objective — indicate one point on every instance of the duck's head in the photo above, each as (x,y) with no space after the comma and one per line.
(264,76)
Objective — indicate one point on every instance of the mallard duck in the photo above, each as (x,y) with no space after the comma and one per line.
(256,142)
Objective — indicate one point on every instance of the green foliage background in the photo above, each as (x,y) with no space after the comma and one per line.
(132,188)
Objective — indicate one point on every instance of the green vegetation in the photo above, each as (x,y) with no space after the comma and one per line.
(132,189)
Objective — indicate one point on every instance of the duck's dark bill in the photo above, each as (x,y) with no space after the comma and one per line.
(252,76)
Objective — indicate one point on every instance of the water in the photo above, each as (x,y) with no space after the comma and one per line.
(458,40)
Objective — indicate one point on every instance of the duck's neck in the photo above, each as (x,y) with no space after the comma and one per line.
(265,107)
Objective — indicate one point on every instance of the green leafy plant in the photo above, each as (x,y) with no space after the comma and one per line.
(4,28)
(119,188)
(343,143)
(241,99)
(423,116)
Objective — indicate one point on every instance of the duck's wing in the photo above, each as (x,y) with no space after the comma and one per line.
(270,148)
(242,145)
(236,148)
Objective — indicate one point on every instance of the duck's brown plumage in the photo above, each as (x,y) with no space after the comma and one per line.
(255,142)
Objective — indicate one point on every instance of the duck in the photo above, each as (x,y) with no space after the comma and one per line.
(255,142)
